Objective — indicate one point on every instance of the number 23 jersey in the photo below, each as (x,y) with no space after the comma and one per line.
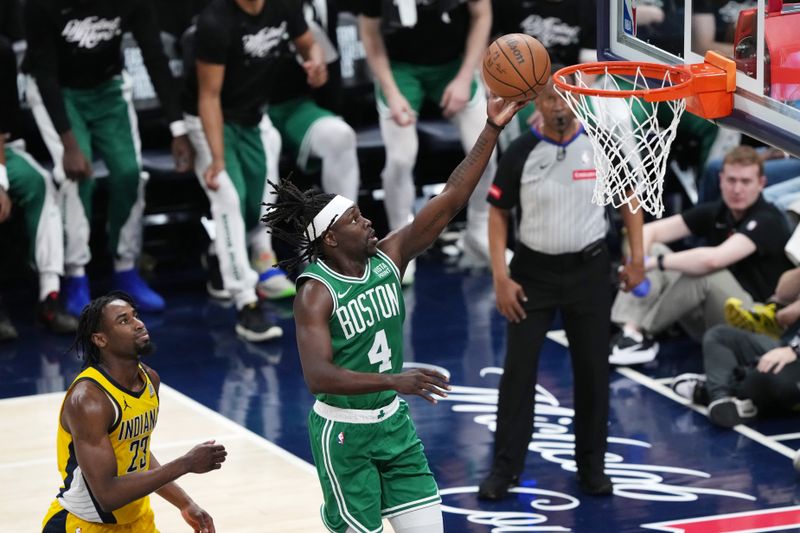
(136,413)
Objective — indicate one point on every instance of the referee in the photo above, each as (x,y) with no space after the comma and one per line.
(561,264)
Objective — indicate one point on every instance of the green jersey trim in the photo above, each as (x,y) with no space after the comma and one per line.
(341,277)
(395,268)
(324,282)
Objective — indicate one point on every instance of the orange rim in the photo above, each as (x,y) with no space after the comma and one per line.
(679,88)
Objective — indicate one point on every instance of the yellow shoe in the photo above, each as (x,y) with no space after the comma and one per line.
(759,319)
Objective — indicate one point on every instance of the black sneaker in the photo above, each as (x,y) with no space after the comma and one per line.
(214,285)
(629,351)
(253,325)
(51,314)
(7,330)
(495,486)
(599,485)
(728,412)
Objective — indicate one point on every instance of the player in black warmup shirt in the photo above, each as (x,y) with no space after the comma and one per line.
(81,100)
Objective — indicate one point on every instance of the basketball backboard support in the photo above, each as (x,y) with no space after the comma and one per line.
(767,98)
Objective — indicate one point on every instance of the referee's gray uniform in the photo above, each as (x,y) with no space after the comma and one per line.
(562,263)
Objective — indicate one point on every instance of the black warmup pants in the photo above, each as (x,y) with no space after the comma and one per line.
(577,284)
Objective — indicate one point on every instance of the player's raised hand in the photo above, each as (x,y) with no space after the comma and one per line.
(423,382)
(501,111)
(205,457)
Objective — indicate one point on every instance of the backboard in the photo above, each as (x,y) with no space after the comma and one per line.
(675,32)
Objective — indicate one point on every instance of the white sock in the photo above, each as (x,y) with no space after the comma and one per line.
(123,265)
(48,283)
(75,271)
(633,333)
(425,520)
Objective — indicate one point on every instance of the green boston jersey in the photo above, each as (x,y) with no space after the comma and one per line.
(366,325)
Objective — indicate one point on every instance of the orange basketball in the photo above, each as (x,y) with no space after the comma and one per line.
(516,66)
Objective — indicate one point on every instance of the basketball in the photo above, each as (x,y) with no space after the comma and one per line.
(516,66)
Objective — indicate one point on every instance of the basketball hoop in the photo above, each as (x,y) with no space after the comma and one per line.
(620,104)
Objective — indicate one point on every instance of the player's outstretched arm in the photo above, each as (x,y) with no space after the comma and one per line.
(312,310)
(87,416)
(409,241)
(194,515)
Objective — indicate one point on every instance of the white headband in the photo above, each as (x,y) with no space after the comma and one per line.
(333,210)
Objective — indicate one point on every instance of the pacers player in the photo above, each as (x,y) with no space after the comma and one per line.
(349,313)
(104,430)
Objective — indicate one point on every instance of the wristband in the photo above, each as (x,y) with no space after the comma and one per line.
(3,177)
(178,128)
(660,262)
(494,126)
(794,344)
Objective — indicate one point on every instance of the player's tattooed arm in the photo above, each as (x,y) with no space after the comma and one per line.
(411,240)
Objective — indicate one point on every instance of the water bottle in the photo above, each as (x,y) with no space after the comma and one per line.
(642,289)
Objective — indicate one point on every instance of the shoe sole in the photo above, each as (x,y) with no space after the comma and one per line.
(723,413)
(282,295)
(272,333)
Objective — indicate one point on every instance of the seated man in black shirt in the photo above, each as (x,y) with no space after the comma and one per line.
(742,257)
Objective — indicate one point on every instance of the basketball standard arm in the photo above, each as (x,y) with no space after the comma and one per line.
(411,240)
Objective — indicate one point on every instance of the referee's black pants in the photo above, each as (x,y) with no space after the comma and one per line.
(577,285)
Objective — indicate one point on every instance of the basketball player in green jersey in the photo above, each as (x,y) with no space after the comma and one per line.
(349,315)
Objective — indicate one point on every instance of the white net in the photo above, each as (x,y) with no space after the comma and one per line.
(630,146)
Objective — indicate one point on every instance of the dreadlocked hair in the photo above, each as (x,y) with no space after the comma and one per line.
(89,323)
(288,219)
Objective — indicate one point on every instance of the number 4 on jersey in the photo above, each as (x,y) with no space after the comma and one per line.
(380,352)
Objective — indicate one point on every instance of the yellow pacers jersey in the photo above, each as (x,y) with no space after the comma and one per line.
(135,420)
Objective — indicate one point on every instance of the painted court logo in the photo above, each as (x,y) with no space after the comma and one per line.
(553,440)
